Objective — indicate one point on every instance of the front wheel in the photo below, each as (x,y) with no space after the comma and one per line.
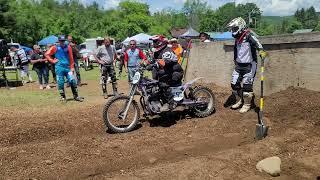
(114,114)
(205,100)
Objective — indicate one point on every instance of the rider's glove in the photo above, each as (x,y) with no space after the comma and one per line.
(262,54)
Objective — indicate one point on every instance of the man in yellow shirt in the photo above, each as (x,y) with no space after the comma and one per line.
(178,50)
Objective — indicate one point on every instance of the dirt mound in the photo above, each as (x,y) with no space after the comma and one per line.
(294,104)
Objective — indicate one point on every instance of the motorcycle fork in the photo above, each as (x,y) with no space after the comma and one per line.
(132,91)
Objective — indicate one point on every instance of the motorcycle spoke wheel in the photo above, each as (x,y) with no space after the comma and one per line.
(206,99)
(114,115)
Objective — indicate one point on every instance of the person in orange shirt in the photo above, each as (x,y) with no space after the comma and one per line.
(177,48)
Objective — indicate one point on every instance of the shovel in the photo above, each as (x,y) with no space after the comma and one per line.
(261,128)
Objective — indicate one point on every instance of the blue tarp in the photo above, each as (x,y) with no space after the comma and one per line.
(26,49)
(223,36)
(48,40)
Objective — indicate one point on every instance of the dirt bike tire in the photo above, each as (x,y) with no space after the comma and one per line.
(211,110)
(113,128)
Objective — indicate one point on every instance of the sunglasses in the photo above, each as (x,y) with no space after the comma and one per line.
(132,44)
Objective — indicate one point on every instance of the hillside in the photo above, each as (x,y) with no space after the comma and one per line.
(275,19)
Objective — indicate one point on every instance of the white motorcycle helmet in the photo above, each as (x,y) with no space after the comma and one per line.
(237,26)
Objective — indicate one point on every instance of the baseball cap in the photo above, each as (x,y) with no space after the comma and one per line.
(62,38)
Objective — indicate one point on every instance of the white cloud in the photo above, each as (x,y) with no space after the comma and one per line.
(179,1)
(111,3)
(282,7)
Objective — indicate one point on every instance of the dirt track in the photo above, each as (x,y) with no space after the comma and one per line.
(71,143)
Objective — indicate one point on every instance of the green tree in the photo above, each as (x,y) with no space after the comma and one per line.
(194,10)
(7,18)
(311,18)
(318,27)
(300,15)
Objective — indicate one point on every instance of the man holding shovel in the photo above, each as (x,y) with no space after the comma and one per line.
(245,59)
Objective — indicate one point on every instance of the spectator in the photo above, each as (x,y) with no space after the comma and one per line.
(106,56)
(22,63)
(40,66)
(75,52)
(120,58)
(132,58)
(64,67)
(52,67)
(204,37)
(178,50)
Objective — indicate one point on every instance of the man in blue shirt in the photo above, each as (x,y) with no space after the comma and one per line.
(64,65)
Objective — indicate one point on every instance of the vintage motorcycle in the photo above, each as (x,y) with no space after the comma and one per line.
(121,114)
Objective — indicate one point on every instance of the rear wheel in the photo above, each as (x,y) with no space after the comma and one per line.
(114,111)
(207,99)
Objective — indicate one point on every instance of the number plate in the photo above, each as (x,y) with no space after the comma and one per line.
(136,78)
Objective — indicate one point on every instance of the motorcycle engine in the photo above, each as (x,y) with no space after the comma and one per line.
(153,99)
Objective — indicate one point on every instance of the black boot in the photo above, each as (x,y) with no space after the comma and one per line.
(75,93)
(62,96)
(115,89)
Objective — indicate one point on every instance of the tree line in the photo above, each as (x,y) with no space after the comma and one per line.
(28,21)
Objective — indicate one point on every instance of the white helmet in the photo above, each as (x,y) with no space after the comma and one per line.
(237,26)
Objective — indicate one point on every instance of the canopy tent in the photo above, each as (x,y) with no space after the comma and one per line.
(140,38)
(224,36)
(48,40)
(190,33)
(26,49)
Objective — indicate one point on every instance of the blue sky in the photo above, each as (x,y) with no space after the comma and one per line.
(269,7)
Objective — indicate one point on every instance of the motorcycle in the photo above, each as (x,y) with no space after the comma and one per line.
(121,114)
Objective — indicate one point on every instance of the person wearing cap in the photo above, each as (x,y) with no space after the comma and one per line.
(176,47)
(40,66)
(204,37)
(64,64)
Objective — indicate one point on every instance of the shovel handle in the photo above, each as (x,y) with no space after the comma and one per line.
(261,93)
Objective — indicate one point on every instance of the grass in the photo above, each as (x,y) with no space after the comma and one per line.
(32,97)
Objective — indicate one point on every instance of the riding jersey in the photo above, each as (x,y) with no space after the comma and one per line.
(63,54)
(245,48)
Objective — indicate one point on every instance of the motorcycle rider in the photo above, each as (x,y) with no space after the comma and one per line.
(168,71)
(245,59)
(64,67)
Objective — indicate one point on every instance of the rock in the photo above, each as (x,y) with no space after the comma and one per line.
(48,162)
(270,165)
(152,160)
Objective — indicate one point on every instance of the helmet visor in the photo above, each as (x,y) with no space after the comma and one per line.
(234,29)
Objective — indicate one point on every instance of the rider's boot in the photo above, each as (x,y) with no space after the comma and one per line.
(247,97)
(239,103)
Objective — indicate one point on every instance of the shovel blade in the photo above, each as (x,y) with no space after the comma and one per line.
(261,131)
